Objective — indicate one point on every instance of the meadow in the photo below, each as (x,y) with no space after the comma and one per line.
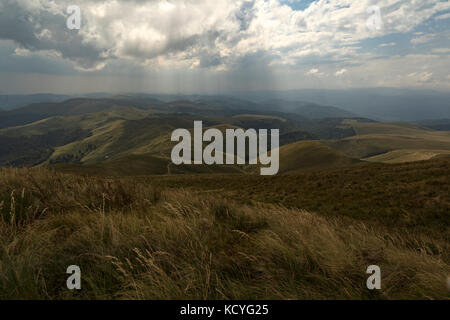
(303,236)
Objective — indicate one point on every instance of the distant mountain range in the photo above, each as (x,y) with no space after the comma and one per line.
(202,105)
(382,104)
(439,124)
(9,102)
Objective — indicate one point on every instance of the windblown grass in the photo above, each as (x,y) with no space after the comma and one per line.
(133,241)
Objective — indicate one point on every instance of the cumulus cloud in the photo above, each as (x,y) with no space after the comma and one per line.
(421,76)
(443,16)
(423,39)
(222,35)
(203,33)
(389,44)
(340,72)
(441,50)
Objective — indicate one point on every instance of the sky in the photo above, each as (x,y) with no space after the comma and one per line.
(217,46)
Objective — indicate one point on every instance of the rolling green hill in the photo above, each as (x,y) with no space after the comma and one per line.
(35,143)
(439,124)
(312,156)
(406,155)
(124,128)
(92,131)
(121,138)
(141,165)
(73,107)
(374,139)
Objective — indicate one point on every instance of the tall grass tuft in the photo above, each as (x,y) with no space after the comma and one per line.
(135,241)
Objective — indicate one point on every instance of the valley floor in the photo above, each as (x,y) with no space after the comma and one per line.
(305,236)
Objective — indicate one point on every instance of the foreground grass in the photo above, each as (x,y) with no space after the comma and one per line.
(133,241)
(411,196)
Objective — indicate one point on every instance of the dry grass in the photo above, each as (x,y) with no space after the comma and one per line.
(133,241)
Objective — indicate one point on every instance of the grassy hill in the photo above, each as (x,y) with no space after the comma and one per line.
(227,237)
(102,130)
(34,143)
(438,124)
(141,165)
(373,139)
(311,155)
(400,156)
(91,131)
(122,138)
(73,107)
(405,195)
(121,132)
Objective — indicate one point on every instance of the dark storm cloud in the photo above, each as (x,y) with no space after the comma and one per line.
(44,30)
(30,63)
(245,15)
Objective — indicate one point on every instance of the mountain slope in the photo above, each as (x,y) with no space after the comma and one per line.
(308,110)
(40,111)
(378,138)
(406,155)
(121,138)
(438,124)
(311,156)
(95,131)
(34,143)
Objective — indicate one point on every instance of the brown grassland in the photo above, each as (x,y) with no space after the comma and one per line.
(305,236)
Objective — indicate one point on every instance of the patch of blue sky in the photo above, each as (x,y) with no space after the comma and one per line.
(31,62)
(433,33)
(297,4)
